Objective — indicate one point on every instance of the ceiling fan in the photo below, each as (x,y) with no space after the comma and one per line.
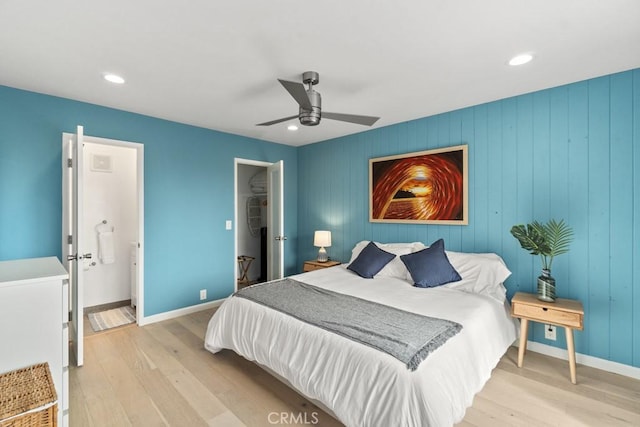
(311,104)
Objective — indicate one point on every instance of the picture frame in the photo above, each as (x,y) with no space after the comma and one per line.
(423,187)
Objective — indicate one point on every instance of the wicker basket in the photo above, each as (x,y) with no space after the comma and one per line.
(28,397)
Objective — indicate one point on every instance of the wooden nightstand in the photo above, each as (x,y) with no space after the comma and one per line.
(317,265)
(563,312)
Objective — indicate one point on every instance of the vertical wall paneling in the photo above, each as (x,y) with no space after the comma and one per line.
(569,153)
(443,140)
(635,232)
(621,212)
(519,197)
(532,164)
(478,180)
(466,137)
(599,216)
(455,134)
(558,188)
(512,253)
(541,152)
(578,218)
(357,194)
(494,178)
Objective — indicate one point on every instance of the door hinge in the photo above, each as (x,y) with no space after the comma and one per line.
(69,240)
(69,163)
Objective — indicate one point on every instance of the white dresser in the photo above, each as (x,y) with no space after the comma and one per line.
(34,312)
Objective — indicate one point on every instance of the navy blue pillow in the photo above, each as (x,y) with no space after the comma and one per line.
(370,261)
(430,267)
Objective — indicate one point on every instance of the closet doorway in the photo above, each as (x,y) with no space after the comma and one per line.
(259,218)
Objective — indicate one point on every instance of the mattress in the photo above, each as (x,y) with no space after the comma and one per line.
(361,385)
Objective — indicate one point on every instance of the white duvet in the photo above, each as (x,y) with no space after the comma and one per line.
(361,385)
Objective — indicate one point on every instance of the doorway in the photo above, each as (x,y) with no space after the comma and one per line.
(259,218)
(110,210)
(103,229)
(251,229)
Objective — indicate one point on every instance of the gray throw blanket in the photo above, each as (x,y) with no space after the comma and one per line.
(408,337)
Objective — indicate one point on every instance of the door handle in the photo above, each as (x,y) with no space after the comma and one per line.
(75,257)
(281,237)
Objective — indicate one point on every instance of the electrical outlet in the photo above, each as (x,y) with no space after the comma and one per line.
(203,294)
(227,224)
(550,332)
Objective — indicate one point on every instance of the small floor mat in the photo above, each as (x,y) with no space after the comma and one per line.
(112,318)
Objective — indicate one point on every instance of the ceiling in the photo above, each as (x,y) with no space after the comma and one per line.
(215,64)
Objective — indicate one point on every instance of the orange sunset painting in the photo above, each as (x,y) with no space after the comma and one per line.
(429,186)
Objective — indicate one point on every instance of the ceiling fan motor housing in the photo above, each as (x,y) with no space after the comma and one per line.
(311,117)
(310,104)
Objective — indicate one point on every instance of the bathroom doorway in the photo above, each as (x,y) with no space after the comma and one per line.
(103,228)
(111,234)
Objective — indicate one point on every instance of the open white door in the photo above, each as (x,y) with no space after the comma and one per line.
(275,221)
(72,239)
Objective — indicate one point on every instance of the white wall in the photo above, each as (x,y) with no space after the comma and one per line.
(109,196)
(248,244)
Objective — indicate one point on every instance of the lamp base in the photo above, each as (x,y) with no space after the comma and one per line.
(322,255)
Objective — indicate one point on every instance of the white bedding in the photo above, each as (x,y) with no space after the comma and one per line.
(361,385)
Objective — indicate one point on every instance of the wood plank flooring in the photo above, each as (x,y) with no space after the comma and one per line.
(161,375)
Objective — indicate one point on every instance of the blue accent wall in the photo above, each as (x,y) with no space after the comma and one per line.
(189,184)
(571,152)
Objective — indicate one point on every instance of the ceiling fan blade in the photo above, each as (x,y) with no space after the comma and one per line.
(298,92)
(273,122)
(351,118)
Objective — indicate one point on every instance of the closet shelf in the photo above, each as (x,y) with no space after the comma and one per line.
(254,215)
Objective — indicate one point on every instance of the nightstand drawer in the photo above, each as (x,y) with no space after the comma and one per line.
(548,315)
(311,267)
(317,265)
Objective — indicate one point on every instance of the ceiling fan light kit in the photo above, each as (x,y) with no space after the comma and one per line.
(310,104)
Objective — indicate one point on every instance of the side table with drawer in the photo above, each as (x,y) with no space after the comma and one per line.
(317,265)
(566,313)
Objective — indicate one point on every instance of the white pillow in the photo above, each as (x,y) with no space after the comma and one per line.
(482,273)
(395,268)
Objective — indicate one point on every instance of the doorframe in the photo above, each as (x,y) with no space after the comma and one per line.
(236,162)
(140,200)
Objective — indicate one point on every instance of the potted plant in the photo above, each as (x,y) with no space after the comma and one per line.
(547,240)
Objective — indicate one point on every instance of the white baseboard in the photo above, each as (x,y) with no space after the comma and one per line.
(179,312)
(583,359)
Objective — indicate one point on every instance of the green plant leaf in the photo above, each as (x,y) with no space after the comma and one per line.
(530,237)
(546,240)
(559,236)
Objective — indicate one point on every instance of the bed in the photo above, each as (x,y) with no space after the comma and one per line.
(361,385)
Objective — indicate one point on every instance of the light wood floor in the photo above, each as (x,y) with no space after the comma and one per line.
(160,374)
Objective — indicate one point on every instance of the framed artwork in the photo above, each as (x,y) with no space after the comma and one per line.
(425,187)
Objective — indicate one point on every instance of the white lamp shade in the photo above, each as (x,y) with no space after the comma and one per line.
(322,239)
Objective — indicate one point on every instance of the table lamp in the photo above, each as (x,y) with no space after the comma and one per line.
(322,239)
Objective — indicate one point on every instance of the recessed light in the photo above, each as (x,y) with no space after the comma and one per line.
(113,78)
(521,59)
(292,128)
